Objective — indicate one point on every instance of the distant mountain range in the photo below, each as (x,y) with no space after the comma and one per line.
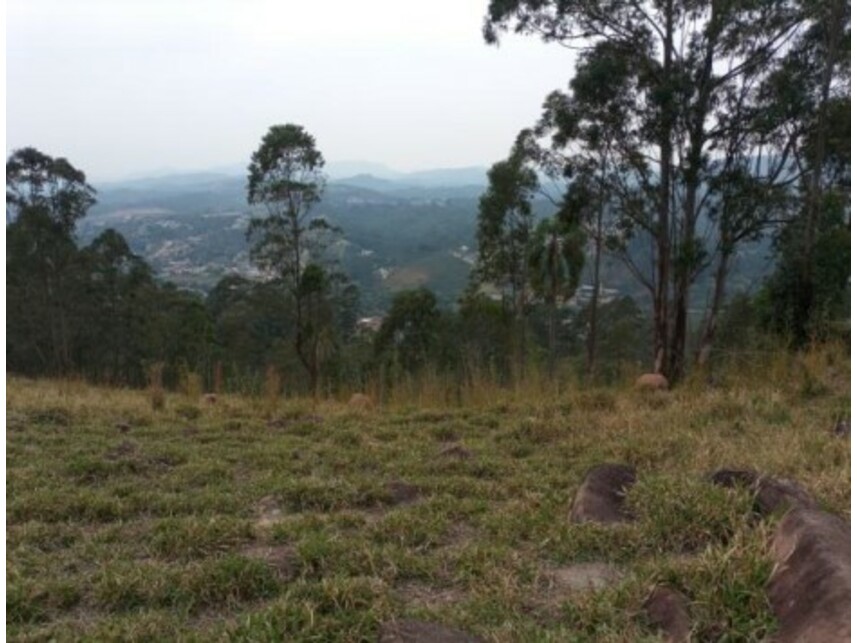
(401,229)
(350,172)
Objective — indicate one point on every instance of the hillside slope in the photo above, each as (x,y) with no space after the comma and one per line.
(262,520)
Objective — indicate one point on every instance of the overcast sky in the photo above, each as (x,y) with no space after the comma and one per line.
(128,87)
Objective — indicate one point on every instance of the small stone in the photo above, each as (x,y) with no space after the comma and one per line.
(731,478)
(413,631)
(667,610)
(361,402)
(601,497)
(586,576)
(652,382)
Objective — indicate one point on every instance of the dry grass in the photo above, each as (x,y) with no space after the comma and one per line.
(247,521)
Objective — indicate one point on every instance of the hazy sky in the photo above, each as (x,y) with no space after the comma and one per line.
(123,87)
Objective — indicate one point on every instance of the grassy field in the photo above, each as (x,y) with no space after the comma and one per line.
(257,522)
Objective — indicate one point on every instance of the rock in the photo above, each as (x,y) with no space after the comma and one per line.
(842,429)
(652,382)
(810,588)
(361,402)
(412,631)
(777,494)
(667,610)
(402,493)
(456,451)
(732,478)
(586,576)
(601,497)
(770,494)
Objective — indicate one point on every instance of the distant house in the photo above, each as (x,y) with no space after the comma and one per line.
(583,296)
(369,324)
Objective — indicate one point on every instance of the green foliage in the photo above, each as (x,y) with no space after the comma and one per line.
(802,309)
(506,221)
(654,128)
(410,333)
(556,260)
(35,181)
(285,176)
(95,311)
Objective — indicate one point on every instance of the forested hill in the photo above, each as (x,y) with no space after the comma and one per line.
(400,230)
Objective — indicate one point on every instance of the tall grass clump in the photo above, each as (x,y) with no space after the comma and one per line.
(191,385)
(155,388)
(273,387)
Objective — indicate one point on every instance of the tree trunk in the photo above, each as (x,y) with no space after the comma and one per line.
(687,260)
(592,337)
(706,342)
(813,213)
(552,337)
(663,245)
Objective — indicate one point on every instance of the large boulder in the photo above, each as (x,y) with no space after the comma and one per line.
(810,588)
(601,497)
(652,382)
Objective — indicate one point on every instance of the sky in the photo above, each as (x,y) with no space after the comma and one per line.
(127,88)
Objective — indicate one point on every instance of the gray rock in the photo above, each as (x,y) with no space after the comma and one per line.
(601,497)
(810,588)
(779,494)
(667,610)
(771,494)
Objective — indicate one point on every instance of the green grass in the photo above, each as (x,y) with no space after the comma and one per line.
(222,525)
